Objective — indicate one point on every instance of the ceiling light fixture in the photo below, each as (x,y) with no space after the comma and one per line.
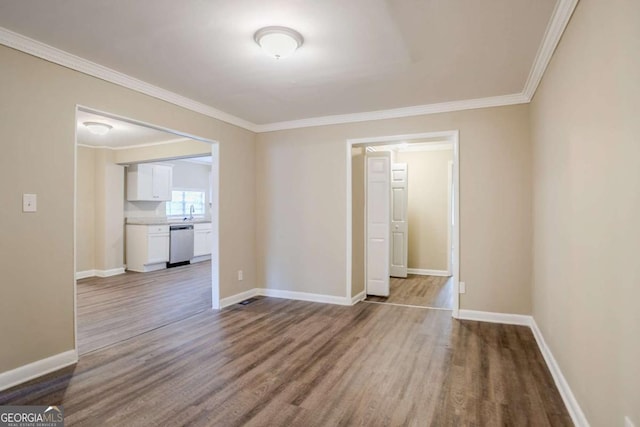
(278,42)
(98,128)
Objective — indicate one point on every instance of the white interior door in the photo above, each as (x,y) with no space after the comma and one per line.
(378,178)
(399,220)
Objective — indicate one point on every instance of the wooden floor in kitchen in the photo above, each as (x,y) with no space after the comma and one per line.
(278,362)
(423,291)
(116,308)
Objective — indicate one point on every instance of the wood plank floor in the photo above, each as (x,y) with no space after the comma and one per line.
(423,291)
(116,308)
(277,362)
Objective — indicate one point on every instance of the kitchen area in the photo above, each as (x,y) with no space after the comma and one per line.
(136,188)
(168,214)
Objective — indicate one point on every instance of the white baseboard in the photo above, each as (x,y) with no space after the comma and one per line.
(148,268)
(85,274)
(304,296)
(200,259)
(359,297)
(37,369)
(109,273)
(577,416)
(299,296)
(234,299)
(99,273)
(487,316)
(424,272)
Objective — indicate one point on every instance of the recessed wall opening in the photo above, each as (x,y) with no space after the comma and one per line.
(403,233)
(146,227)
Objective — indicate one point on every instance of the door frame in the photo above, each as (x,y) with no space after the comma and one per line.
(450,187)
(451,137)
(215,197)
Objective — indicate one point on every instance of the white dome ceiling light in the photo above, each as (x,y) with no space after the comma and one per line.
(98,128)
(278,42)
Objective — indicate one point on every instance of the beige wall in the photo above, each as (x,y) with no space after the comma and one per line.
(237,210)
(86,210)
(586,151)
(428,206)
(357,218)
(37,122)
(301,217)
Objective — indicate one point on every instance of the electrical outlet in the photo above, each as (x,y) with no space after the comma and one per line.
(463,287)
(628,423)
(240,275)
(29,202)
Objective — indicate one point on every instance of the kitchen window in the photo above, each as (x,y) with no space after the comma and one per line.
(182,200)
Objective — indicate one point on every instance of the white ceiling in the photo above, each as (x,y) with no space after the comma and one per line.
(358,55)
(123,134)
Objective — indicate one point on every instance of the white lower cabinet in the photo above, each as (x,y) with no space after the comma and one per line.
(202,241)
(147,247)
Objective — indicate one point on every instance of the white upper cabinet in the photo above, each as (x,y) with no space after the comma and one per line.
(161,177)
(147,182)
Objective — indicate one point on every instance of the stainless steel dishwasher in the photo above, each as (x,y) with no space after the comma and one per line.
(181,244)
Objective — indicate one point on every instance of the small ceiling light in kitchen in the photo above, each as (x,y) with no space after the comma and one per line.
(278,42)
(98,128)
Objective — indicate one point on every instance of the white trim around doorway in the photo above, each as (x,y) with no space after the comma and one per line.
(450,137)
(215,213)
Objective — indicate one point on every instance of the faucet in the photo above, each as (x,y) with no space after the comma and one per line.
(192,210)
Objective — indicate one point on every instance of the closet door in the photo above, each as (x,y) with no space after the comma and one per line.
(378,219)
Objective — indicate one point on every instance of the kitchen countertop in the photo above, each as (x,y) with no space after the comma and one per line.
(164,221)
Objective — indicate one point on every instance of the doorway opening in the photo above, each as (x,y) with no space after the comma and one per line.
(134,183)
(403,220)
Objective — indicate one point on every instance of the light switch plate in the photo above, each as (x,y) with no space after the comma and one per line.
(29,203)
(240,275)
(463,287)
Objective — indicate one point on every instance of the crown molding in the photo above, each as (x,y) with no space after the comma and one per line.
(60,57)
(557,24)
(417,110)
